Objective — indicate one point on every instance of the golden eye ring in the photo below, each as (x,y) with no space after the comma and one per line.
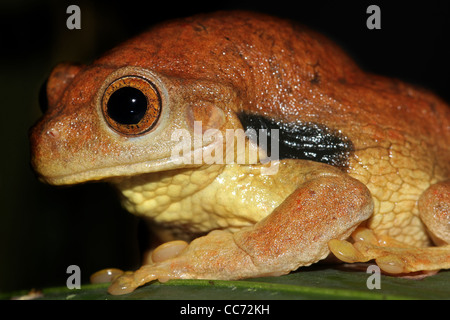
(131,105)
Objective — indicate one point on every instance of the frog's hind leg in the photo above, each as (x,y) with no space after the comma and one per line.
(394,257)
(434,209)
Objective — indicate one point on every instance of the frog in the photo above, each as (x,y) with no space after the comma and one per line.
(358,169)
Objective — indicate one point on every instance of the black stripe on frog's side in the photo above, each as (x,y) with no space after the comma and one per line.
(308,141)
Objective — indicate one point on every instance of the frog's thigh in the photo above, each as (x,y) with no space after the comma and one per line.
(434,209)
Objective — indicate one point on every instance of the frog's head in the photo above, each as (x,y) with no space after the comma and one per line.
(105,121)
(125,114)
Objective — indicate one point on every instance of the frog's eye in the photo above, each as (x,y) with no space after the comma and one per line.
(131,105)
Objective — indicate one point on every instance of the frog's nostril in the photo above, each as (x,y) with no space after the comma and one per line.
(54,133)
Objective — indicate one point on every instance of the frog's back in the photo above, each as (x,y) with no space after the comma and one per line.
(288,73)
(396,136)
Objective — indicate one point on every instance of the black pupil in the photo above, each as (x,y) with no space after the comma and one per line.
(127,105)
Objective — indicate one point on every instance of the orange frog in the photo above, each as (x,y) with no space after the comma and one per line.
(362,168)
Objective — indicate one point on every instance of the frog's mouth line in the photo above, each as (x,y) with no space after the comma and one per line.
(106,173)
(189,160)
(128,169)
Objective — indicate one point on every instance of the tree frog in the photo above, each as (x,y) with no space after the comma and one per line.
(362,171)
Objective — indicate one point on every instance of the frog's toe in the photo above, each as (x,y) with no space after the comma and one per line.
(105,275)
(168,250)
(129,281)
(123,284)
(390,255)
(345,251)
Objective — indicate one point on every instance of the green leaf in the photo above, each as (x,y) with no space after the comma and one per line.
(307,283)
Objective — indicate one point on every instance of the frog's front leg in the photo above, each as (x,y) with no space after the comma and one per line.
(327,206)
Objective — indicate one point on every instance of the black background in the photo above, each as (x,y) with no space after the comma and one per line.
(45,229)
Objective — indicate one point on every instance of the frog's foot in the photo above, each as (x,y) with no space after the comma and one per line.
(393,257)
(208,257)
(328,206)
